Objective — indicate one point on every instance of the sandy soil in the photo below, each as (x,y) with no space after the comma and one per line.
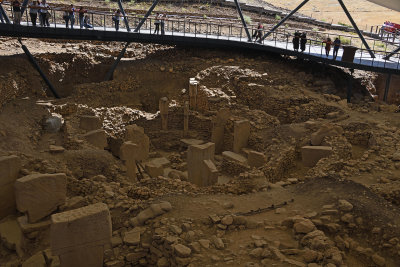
(365,14)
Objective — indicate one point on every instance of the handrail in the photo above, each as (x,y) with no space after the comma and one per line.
(175,25)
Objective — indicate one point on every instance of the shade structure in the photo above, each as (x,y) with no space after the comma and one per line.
(391,4)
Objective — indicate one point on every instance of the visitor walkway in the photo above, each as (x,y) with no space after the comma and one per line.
(198,32)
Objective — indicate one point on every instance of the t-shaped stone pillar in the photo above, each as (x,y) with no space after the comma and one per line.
(129,153)
(241,135)
(79,236)
(185,118)
(193,93)
(217,134)
(163,106)
(201,169)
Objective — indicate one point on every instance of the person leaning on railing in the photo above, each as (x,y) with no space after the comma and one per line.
(16,7)
(116,18)
(81,13)
(33,11)
(44,14)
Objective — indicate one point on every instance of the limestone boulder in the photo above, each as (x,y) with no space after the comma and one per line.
(38,195)
(256,159)
(326,130)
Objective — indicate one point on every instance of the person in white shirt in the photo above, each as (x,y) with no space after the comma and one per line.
(44,14)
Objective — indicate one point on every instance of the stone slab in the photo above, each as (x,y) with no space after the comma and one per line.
(72,230)
(256,159)
(90,256)
(9,169)
(90,123)
(38,195)
(27,227)
(97,138)
(310,155)
(229,155)
(241,134)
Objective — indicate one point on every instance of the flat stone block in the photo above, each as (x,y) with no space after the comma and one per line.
(90,256)
(136,135)
(97,138)
(312,154)
(38,195)
(72,230)
(195,156)
(129,151)
(9,169)
(90,123)
(256,159)
(27,227)
(229,155)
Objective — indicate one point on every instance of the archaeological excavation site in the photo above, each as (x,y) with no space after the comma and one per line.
(126,147)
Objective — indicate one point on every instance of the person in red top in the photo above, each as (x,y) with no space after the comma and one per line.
(258,33)
(328,43)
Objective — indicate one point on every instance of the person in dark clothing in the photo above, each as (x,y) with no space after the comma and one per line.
(336,46)
(33,12)
(303,42)
(157,24)
(296,41)
(16,6)
(116,18)
(81,13)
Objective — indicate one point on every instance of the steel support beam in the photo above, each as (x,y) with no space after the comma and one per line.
(243,21)
(387,87)
(146,15)
(356,28)
(23,7)
(284,19)
(110,73)
(392,53)
(350,86)
(123,13)
(5,17)
(36,66)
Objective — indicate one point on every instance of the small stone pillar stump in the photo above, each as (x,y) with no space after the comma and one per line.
(185,118)
(193,93)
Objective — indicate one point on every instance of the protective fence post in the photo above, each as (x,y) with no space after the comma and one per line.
(36,66)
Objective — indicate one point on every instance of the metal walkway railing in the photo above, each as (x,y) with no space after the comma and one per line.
(200,31)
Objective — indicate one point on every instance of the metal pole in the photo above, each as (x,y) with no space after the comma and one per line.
(24,4)
(243,21)
(36,66)
(356,28)
(4,14)
(392,53)
(387,87)
(284,19)
(114,65)
(123,13)
(350,86)
(146,15)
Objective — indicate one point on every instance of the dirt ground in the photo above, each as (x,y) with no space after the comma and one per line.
(266,205)
(364,13)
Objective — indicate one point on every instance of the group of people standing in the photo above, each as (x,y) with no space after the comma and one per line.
(69,17)
(36,10)
(336,45)
(299,40)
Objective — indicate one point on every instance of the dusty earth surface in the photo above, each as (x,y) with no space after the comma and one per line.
(341,211)
(364,13)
